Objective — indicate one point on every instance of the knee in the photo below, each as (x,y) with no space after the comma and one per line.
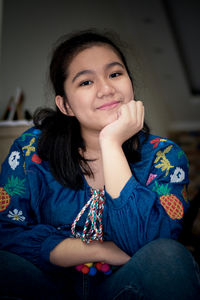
(167,266)
(165,249)
(21,279)
(166,253)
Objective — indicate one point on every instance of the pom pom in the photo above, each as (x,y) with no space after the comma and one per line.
(98,266)
(79,267)
(109,272)
(85,269)
(89,264)
(91,268)
(92,271)
(105,268)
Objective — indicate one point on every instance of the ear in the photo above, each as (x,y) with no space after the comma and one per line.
(64,107)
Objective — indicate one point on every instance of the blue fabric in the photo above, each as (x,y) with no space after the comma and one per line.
(36,212)
(21,280)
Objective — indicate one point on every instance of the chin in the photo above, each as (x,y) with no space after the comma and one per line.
(108,121)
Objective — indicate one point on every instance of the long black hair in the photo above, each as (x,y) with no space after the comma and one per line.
(60,140)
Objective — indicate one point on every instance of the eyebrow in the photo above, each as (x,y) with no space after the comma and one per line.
(83,72)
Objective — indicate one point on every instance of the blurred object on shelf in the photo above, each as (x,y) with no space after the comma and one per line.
(14,109)
(27,115)
(8,109)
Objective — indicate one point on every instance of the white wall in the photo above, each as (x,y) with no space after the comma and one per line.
(31,27)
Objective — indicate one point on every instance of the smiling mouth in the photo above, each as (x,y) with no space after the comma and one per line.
(109,105)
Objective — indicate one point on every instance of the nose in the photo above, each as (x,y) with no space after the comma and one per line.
(105,88)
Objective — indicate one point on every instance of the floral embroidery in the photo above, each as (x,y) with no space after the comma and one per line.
(164,164)
(16,215)
(178,176)
(13,159)
(151,177)
(157,141)
(29,147)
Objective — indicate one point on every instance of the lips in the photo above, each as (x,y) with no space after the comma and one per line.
(109,105)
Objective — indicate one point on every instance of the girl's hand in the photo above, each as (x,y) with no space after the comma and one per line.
(130,119)
(113,255)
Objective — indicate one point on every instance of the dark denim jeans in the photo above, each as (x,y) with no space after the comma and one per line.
(161,270)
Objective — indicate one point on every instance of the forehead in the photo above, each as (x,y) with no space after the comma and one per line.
(93,55)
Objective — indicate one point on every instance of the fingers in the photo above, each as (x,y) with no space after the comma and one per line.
(133,114)
(140,114)
(130,119)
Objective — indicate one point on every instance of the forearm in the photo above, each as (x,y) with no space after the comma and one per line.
(71,252)
(116,168)
(129,121)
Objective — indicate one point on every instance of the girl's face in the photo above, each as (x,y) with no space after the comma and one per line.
(96,86)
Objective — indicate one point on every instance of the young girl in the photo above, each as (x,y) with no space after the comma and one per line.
(91,204)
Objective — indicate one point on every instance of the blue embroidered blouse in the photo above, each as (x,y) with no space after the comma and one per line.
(36,212)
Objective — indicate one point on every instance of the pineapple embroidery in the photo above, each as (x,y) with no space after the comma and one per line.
(171,204)
(29,148)
(15,186)
(184,194)
(164,164)
(157,141)
(13,159)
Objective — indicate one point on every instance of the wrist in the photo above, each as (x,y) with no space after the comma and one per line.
(108,142)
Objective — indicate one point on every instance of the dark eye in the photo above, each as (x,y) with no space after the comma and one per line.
(116,74)
(87,82)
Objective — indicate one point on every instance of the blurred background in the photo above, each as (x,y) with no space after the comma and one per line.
(163,48)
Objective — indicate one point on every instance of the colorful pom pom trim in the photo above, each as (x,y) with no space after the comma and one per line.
(92,268)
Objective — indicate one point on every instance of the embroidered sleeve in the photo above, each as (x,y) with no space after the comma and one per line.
(20,231)
(154,209)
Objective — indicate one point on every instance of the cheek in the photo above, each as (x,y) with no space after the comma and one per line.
(74,101)
(127,88)
(129,92)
